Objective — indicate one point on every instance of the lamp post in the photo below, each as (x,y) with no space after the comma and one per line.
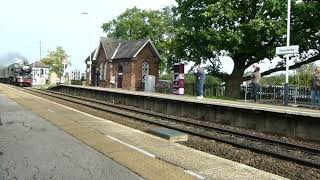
(286,86)
(90,58)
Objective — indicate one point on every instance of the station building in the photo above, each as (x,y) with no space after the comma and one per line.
(75,74)
(123,63)
(40,73)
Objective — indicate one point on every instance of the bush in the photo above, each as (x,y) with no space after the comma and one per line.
(210,86)
(76,82)
(191,79)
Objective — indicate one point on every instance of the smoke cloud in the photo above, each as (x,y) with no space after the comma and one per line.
(12,57)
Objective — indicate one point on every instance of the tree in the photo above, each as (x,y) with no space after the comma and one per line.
(136,24)
(303,75)
(55,61)
(246,30)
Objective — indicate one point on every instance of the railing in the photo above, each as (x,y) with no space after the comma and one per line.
(297,94)
(191,89)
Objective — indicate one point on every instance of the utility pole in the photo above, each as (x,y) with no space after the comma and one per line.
(286,86)
(90,58)
(40,51)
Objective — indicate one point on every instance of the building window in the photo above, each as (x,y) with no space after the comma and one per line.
(145,70)
(105,71)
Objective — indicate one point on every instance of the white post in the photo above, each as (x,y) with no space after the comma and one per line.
(286,87)
(64,70)
(89,39)
(288,39)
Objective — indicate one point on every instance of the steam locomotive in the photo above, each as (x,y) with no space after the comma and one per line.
(17,74)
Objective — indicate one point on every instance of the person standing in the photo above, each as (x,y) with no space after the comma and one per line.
(255,81)
(98,77)
(315,88)
(200,79)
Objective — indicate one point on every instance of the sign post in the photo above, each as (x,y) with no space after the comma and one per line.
(287,51)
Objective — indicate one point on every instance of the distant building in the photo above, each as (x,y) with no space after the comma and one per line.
(75,75)
(123,64)
(40,73)
(83,75)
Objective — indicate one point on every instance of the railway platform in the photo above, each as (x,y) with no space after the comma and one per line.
(292,122)
(145,155)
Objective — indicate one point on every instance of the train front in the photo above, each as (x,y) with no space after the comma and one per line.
(24,78)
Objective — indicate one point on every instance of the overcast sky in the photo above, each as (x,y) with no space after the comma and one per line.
(23,24)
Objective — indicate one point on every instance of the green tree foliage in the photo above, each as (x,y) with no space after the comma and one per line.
(55,59)
(142,24)
(277,80)
(246,30)
(190,78)
(301,77)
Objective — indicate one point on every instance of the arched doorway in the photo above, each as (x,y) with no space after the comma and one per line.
(119,77)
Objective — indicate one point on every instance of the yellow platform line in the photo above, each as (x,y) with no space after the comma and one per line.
(146,166)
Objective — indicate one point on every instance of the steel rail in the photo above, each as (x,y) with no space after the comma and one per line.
(204,126)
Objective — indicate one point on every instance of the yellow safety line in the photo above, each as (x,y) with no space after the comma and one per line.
(145,166)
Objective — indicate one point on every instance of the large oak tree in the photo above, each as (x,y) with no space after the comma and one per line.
(246,30)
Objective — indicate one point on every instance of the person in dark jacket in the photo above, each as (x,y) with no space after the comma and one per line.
(98,77)
(200,79)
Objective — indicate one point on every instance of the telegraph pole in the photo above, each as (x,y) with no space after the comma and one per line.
(40,50)
(286,86)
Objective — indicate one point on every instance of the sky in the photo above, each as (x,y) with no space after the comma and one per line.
(23,24)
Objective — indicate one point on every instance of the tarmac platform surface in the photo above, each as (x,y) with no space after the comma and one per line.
(141,155)
(33,148)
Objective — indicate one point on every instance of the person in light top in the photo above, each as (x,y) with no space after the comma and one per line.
(200,79)
(255,81)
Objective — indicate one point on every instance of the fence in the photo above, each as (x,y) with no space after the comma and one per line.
(297,94)
(165,86)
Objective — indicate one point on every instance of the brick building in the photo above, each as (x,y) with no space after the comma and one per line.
(123,64)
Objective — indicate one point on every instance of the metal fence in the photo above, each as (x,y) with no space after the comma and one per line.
(165,86)
(297,94)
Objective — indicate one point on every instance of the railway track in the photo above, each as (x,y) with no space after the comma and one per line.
(297,153)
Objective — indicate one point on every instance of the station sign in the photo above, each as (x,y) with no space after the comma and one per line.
(287,50)
(64,61)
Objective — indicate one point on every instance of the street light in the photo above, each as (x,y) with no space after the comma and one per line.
(90,58)
(286,86)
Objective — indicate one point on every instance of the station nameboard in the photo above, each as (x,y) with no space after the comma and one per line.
(287,50)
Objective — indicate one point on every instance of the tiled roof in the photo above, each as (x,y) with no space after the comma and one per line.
(110,46)
(123,49)
(39,64)
(92,54)
(129,49)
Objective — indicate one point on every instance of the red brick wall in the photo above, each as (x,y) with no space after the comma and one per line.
(87,75)
(132,69)
(146,55)
(101,59)
(127,72)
